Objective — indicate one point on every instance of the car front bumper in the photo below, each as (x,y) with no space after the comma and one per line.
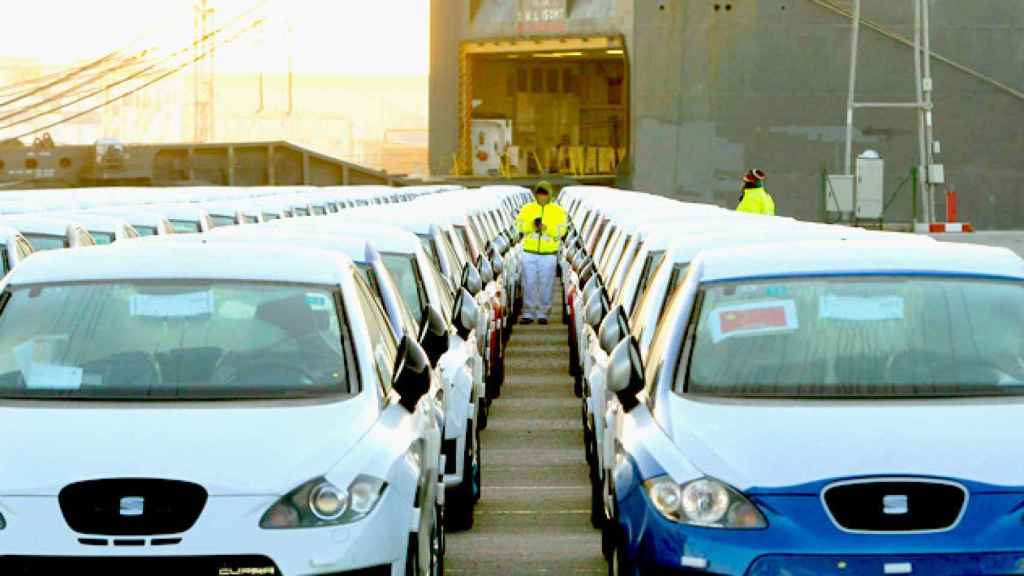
(801,541)
(226,540)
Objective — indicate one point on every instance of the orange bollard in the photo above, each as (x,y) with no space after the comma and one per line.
(951,206)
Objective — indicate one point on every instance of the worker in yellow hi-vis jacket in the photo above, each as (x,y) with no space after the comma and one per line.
(755,199)
(544,225)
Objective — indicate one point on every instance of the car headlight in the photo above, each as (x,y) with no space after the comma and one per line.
(319,503)
(703,502)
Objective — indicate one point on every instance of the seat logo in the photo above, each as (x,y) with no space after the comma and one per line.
(132,505)
(895,505)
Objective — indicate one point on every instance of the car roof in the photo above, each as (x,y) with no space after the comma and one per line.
(385,237)
(177,211)
(355,247)
(7,233)
(99,221)
(36,224)
(183,260)
(686,246)
(831,257)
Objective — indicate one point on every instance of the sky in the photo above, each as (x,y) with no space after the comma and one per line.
(328,37)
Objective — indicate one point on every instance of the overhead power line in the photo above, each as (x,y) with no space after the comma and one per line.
(61,79)
(127,63)
(148,70)
(167,74)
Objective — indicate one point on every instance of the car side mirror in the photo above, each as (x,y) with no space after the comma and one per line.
(486,272)
(614,328)
(433,335)
(412,373)
(588,271)
(497,264)
(590,287)
(596,309)
(624,375)
(465,314)
(471,280)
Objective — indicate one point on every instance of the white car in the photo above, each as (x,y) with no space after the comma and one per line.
(144,222)
(186,218)
(103,229)
(221,409)
(14,249)
(49,232)
(419,287)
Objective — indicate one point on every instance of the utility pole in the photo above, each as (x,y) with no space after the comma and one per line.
(203,72)
(929,174)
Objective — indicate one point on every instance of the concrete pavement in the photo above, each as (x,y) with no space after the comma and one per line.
(534,516)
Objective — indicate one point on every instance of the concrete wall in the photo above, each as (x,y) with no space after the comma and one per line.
(763,84)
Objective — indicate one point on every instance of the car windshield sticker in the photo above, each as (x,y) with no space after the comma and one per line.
(44,375)
(235,310)
(318,301)
(860,308)
(756,318)
(171,305)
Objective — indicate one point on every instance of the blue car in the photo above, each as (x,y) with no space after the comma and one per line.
(827,408)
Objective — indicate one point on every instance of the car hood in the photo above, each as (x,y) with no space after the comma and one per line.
(230,448)
(777,444)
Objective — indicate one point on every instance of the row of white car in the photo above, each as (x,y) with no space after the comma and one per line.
(766,396)
(299,396)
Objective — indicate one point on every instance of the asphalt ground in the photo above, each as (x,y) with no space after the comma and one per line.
(534,516)
(1014,240)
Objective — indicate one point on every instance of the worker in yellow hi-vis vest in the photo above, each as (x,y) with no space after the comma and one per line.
(544,225)
(755,199)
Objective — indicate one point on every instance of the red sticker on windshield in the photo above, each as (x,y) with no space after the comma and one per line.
(753,318)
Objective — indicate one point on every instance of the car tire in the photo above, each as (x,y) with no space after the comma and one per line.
(461,500)
(482,413)
(437,551)
(619,563)
(496,378)
(597,513)
(589,442)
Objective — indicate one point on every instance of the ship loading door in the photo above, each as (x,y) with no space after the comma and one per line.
(554,106)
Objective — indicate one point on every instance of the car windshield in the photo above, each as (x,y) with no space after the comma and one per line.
(251,219)
(172,340)
(268,216)
(402,268)
(880,336)
(102,238)
(41,242)
(185,226)
(143,231)
(222,220)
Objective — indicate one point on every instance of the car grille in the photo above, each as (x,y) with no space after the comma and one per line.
(895,505)
(131,506)
(155,566)
(449,447)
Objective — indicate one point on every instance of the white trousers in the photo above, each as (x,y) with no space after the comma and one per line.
(538,283)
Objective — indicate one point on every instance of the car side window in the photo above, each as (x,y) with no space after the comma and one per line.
(659,343)
(384,348)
